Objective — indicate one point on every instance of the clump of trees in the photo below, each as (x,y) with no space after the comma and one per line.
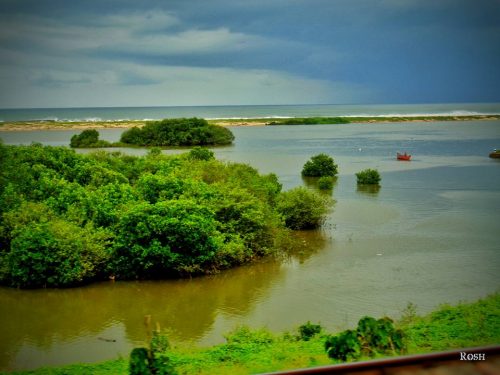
(320,165)
(368,177)
(88,139)
(178,132)
(68,218)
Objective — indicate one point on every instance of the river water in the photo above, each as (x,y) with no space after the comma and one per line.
(429,235)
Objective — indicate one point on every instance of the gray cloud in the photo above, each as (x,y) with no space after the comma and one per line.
(260,51)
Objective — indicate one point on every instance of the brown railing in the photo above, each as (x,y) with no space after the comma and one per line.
(413,363)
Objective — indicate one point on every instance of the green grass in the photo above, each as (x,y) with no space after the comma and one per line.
(461,326)
(113,367)
(252,351)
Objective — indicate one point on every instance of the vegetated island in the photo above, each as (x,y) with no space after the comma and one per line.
(249,351)
(165,133)
(60,125)
(67,219)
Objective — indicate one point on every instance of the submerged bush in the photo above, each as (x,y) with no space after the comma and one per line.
(302,208)
(368,177)
(319,166)
(325,183)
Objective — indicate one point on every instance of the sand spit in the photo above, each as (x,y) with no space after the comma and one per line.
(61,125)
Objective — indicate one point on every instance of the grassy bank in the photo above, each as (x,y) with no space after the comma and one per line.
(61,125)
(253,351)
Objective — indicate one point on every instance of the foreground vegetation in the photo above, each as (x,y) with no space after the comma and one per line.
(252,351)
(68,219)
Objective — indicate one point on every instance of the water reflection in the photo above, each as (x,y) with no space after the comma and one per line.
(312,183)
(370,190)
(44,320)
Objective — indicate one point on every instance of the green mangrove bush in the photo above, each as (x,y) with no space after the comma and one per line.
(319,166)
(302,208)
(325,183)
(88,139)
(368,177)
(201,153)
(178,132)
(68,218)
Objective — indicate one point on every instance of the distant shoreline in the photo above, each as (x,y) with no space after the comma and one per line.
(70,125)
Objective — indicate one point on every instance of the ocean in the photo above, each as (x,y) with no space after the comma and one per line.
(245,111)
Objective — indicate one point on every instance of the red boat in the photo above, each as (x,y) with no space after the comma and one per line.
(495,154)
(404,156)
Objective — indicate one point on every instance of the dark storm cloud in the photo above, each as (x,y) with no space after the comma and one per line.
(339,51)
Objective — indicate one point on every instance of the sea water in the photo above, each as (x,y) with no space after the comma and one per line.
(241,111)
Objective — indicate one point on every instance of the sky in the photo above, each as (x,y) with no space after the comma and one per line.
(97,53)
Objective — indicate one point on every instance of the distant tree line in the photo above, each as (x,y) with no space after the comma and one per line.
(311,121)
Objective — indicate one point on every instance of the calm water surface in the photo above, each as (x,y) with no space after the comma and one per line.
(430,235)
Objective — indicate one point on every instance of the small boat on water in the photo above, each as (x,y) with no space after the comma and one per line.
(404,156)
(495,154)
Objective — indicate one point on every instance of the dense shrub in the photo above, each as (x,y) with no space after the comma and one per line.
(325,183)
(368,177)
(68,218)
(48,251)
(309,330)
(319,166)
(88,139)
(302,208)
(178,132)
(201,153)
(343,346)
(371,337)
(157,240)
